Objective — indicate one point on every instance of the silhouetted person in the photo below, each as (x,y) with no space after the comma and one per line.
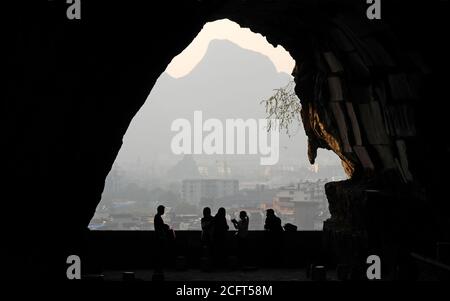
(242,232)
(220,223)
(162,237)
(207,223)
(220,228)
(160,227)
(274,237)
(273,222)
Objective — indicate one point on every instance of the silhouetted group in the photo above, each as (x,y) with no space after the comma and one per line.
(214,235)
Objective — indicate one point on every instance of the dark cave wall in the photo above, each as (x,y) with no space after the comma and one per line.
(73,87)
(365,89)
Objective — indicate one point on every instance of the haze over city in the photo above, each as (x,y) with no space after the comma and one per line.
(225,73)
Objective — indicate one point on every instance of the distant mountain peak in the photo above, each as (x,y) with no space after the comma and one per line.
(226,56)
(222,43)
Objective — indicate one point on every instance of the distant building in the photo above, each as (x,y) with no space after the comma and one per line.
(283,200)
(196,190)
(123,221)
(304,204)
(314,191)
(248,198)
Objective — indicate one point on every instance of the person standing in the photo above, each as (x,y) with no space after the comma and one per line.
(207,223)
(162,236)
(274,238)
(220,229)
(241,234)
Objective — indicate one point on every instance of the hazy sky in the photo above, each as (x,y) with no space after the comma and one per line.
(226,29)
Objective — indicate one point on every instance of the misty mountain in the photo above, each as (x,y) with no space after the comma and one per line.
(229,82)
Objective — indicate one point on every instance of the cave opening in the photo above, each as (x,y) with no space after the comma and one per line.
(226,74)
(366,89)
